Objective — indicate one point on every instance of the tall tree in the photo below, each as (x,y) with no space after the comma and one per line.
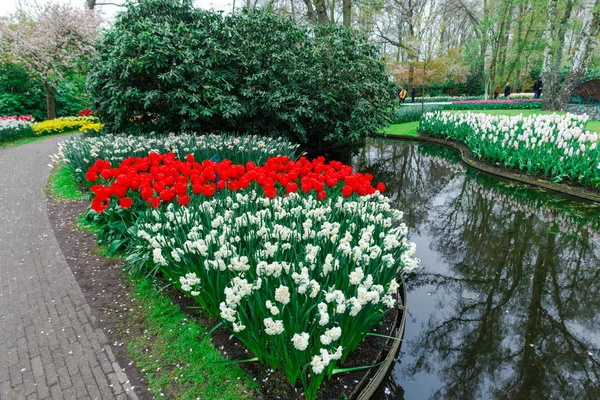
(584,49)
(58,41)
(557,94)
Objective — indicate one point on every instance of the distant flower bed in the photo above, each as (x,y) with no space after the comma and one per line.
(15,126)
(521,104)
(65,124)
(505,101)
(556,146)
(439,99)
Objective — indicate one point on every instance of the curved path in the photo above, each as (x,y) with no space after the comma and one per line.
(50,346)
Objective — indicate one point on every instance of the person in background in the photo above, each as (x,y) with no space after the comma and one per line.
(413,93)
(537,88)
(507,91)
(402,95)
(496,92)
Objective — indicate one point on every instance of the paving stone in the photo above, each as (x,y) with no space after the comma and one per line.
(50,343)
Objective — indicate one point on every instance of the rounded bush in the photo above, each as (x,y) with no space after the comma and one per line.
(167,67)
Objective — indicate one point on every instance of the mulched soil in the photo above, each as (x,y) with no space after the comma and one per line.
(108,294)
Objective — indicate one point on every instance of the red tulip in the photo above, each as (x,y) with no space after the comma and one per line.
(125,202)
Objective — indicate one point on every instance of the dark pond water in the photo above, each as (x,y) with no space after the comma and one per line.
(506,302)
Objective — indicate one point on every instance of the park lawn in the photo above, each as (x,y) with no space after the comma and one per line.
(31,139)
(406,129)
(410,128)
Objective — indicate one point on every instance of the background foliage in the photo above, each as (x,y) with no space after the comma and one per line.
(21,95)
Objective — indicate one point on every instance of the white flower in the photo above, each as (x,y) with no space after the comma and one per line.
(393,287)
(271,307)
(282,294)
(300,341)
(158,257)
(227,313)
(322,307)
(317,365)
(238,327)
(338,353)
(331,335)
(273,327)
(356,276)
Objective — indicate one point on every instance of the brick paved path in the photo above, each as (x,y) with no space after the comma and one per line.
(50,346)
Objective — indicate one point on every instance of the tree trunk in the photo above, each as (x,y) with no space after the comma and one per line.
(497,46)
(521,42)
(310,12)
(332,11)
(347,13)
(321,8)
(553,53)
(582,54)
(50,104)
(483,35)
(503,51)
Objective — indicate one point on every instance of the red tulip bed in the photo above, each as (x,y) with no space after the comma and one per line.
(161,178)
(298,258)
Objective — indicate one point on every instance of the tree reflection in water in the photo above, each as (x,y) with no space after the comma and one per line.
(506,303)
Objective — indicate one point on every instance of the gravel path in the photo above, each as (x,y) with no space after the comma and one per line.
(50,344)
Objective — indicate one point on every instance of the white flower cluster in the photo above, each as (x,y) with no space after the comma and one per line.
(552,144)
(331,261)
(13,124)
(189,282)
(82,151)
(319,363)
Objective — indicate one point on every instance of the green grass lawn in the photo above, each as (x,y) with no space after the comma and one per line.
(410,128)
(406,129)
(25,140)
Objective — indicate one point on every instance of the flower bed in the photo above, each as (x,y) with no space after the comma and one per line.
(555,146)
(495,104)
(299,259)
(82,152)
(13,127)
(65,124)
(505,101)
(439,99)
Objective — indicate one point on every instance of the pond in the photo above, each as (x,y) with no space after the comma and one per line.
(505,304)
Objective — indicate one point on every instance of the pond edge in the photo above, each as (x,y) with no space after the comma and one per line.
(468,159)
(369,384)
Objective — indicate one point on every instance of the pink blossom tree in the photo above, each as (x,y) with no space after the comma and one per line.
(57,41)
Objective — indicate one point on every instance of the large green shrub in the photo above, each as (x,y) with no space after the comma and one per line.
(166,66)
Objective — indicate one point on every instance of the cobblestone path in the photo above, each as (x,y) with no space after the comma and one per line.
(50,345)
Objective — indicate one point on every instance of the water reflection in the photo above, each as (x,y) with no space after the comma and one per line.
(505,304)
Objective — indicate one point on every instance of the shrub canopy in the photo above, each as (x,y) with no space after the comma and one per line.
(166,66)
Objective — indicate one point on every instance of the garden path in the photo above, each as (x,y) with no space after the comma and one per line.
(50,344)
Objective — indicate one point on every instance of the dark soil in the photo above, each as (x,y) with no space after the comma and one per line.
(108,294)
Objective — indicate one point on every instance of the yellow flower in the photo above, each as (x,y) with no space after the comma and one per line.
(66,124)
